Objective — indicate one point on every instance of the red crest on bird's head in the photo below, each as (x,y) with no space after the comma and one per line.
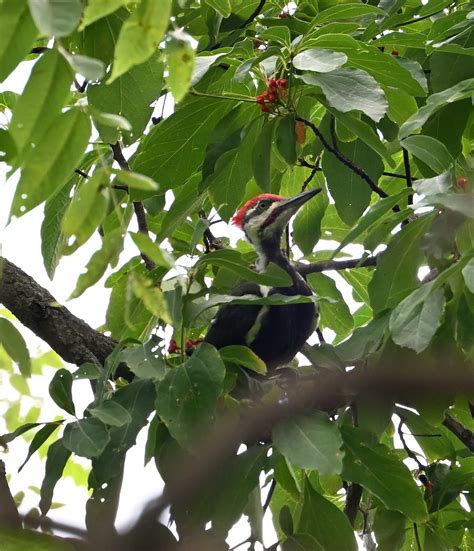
(238,218)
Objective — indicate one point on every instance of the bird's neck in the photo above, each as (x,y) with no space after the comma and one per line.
(271,252)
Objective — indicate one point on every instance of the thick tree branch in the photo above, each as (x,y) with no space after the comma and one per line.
(354,495)
(74,340)
(315,267)
(9,517)
(458,429)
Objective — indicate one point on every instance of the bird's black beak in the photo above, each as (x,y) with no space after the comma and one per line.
(294,203)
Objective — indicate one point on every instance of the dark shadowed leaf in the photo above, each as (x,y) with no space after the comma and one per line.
(60,390)
(383,473)
(307,223)
(38,440)
(186,397)
(56,460)
(86,437)
(322,520)
(111,413)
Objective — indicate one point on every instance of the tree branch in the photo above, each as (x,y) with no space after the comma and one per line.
(354,494)
(344,160)
(137,205)
(460,431)
(9,517)
(72,338)
(315,267)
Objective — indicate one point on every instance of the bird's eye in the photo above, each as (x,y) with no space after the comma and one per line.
(263,205)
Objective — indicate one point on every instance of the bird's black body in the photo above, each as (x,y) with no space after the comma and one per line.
(275,333)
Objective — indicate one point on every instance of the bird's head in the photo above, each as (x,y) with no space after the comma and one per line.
(264,218)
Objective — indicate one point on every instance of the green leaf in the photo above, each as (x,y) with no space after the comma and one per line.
(15,346)
(9,437)
(372,217)
(397,267)
(468,274)
(222,7)
(53,160)
(327,524)
(350,192)
(17,35)
(415,319)
(124,98)
(310,442)
(145,361)
(140,34)
(87,371)
(319,60)
(233,260)
(8,150)
(96,9)
(111,413)
(301,542)
(434,102)
(262,155)
(135,180)
(160,257)
(87,208)
(231,173)
(350,89)
(307,223)
(334,312)
(180,57)
(429,150)
(56,17)
(389,529)
(346,11)
(38,440)
(186,397)
(90,68)
(175,149)
(41,101)
(285,135)
(56,460)
(242,355)
(381,472)
(86,437)
(112,244)
(152,297)
(60,390)
(17,540)
(415,327)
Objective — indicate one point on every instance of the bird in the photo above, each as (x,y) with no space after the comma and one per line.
(275,333)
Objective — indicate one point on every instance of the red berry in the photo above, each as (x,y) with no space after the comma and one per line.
(273,83)
(282,82)
(173,347)
(283,15)
(272,98)
(260,100)
(265,108)
(395,52)
(461,182)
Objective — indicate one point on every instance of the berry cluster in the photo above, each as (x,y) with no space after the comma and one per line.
(189,346)
(276,90)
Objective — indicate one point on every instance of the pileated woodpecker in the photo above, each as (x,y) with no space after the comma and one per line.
(275,333)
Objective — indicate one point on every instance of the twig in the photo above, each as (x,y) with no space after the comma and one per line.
(39,50)
(344,160)
(395,175)
(408,451)
(137,205)
(269,495)
(253,15)
(320,335)
(460,431)
(81,173)
(417,537)
(248,540)
(316,267)
(314,169)
(211,242)
(406,164)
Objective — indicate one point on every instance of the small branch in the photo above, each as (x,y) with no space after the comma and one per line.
(417,537)
(401,176)
(39,50)
(81,173)
(269,496)
(137,205)
(354,494)
(9,517)
(253,15)
(320,335)
(408,451)
(316,267)
(460,431)
(211,242)
(406,164)
(81,88)
(314,169)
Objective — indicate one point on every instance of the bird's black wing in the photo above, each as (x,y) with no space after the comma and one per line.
(234,321)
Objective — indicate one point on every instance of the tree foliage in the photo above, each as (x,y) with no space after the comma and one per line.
(372,102)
